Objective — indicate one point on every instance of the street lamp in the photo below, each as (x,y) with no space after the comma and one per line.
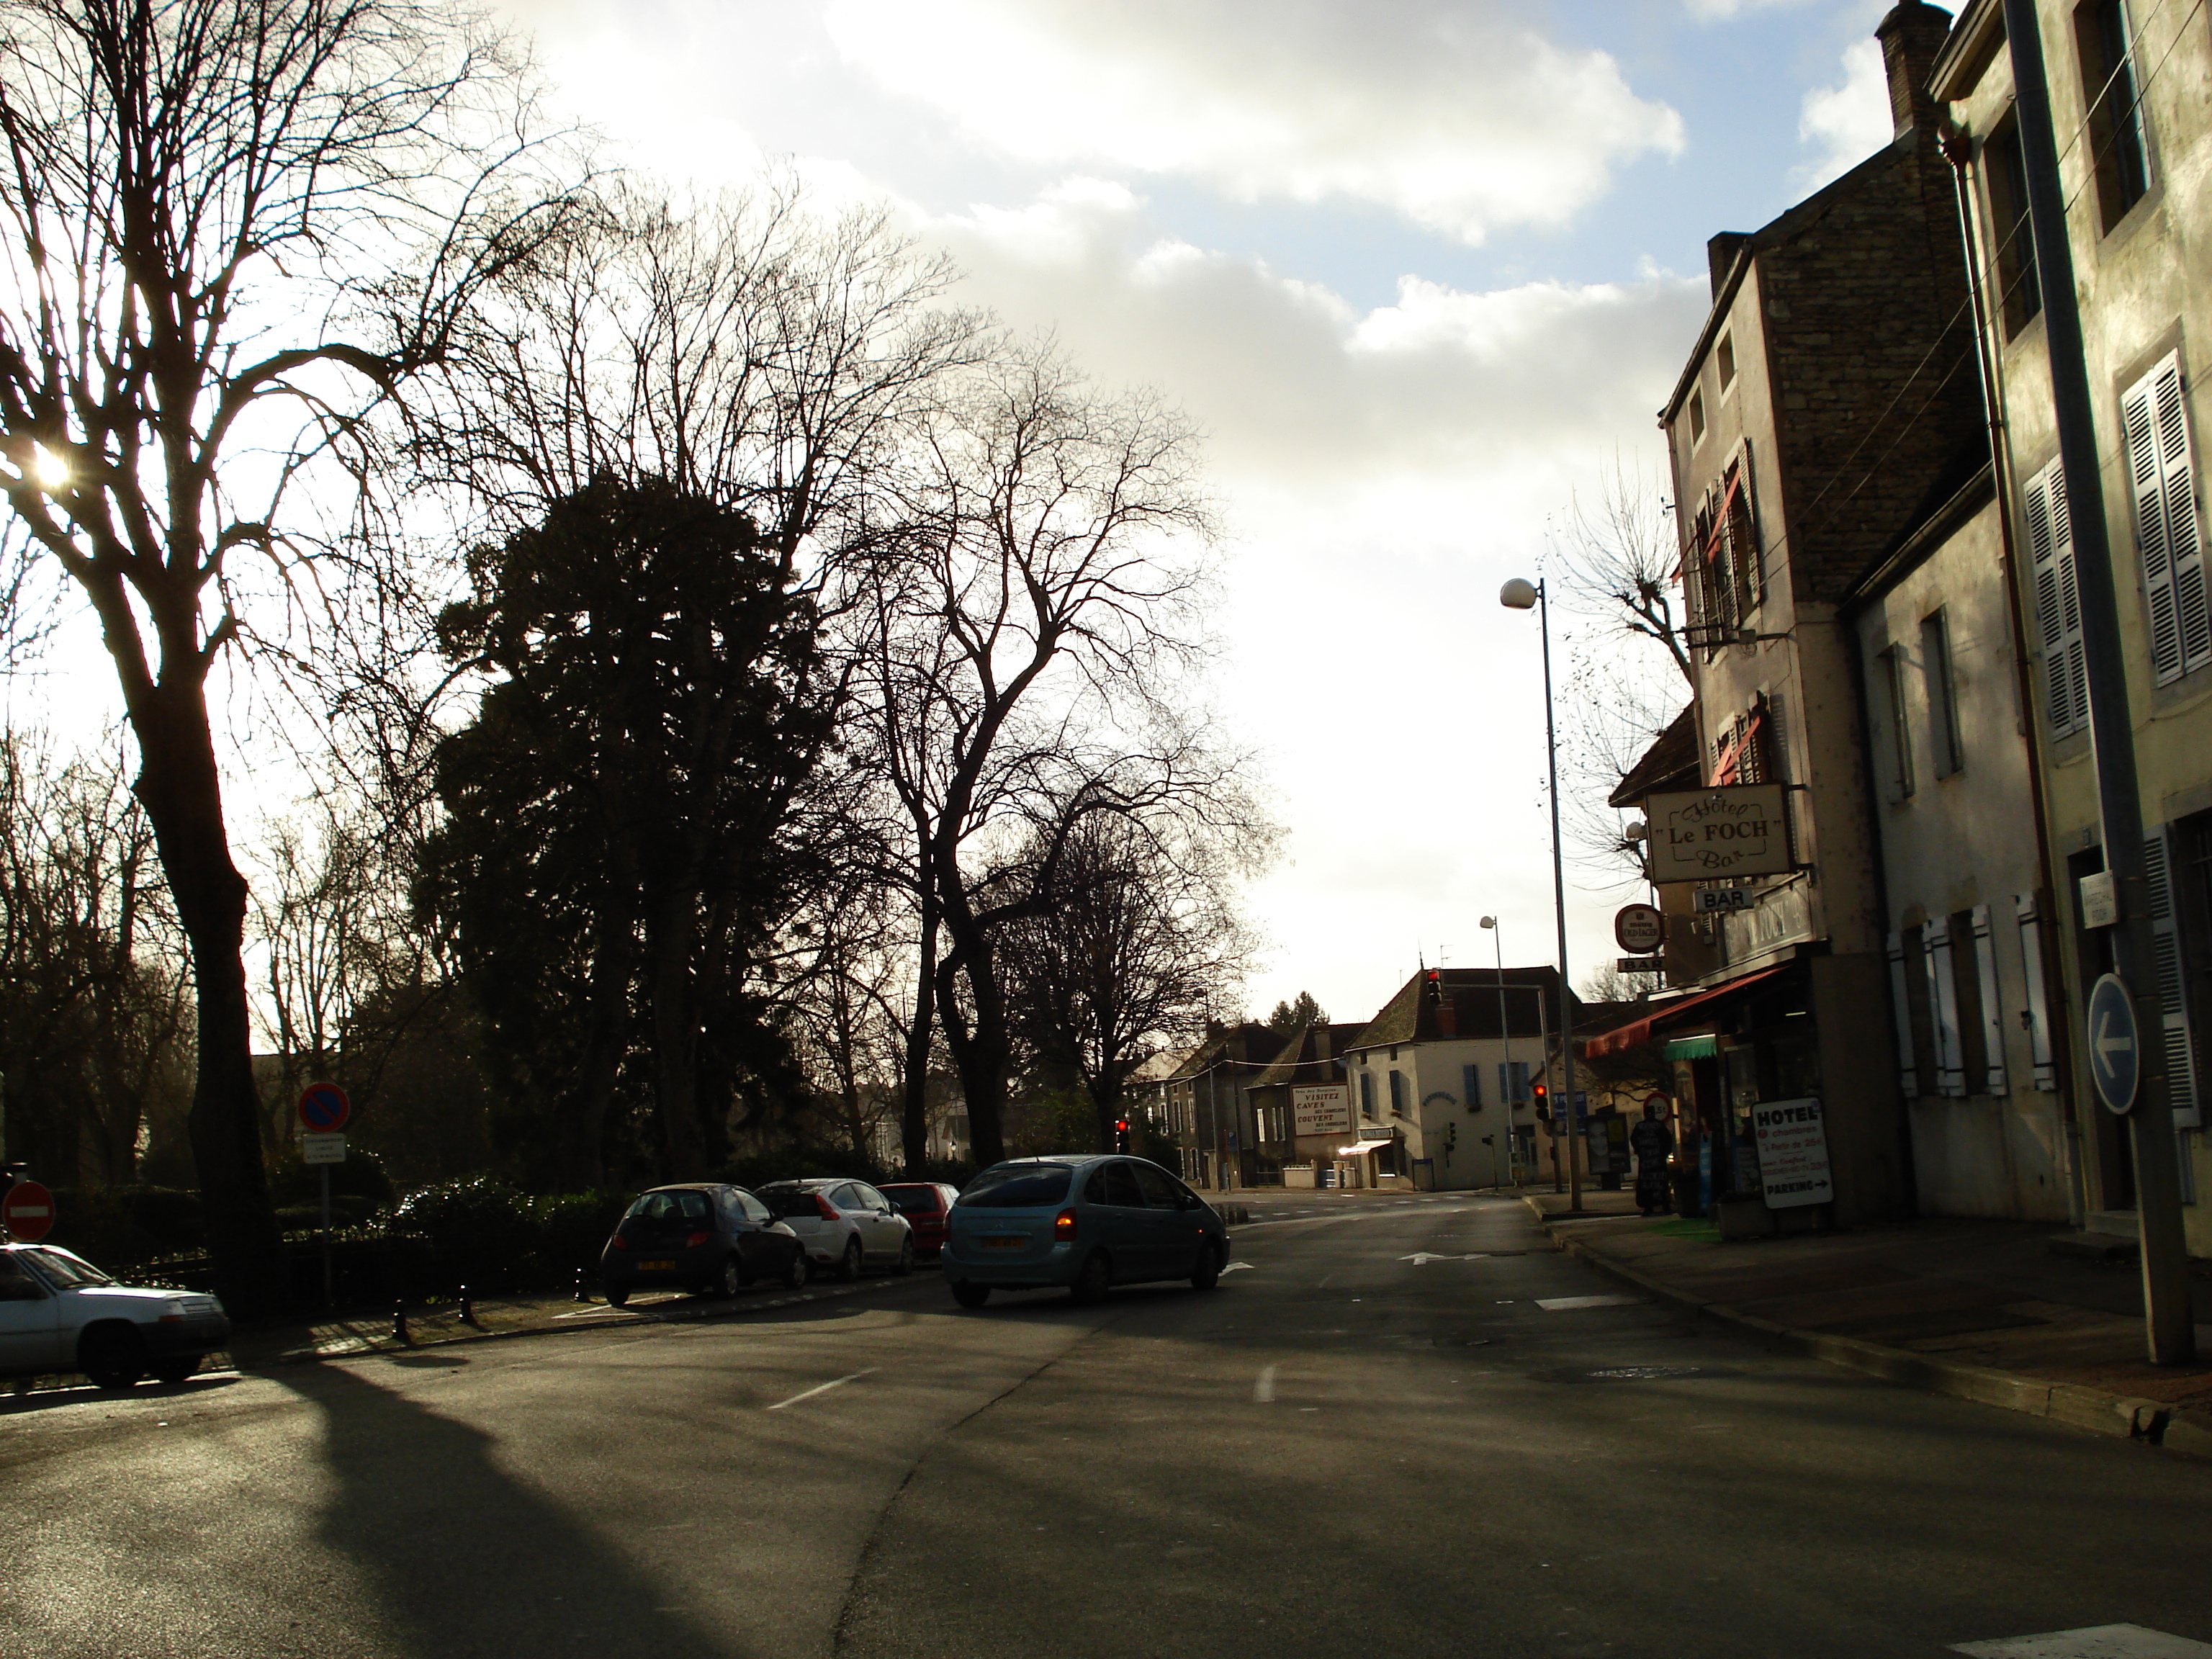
(1504,1031)
(1519,594)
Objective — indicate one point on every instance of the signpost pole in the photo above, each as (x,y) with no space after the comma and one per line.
(325,1173)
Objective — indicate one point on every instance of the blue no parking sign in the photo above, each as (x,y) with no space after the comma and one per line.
(324,1109)
(2115,1047)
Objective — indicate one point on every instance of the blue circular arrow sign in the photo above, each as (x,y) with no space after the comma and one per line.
(2115,1047)
(324,1108)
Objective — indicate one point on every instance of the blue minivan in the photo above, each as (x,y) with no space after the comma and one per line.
(1084,1224)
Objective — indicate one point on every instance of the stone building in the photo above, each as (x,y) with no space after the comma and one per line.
(1815,427)
(2127,91)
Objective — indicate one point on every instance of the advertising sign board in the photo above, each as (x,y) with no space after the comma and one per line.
(1792,1137)
(1638,929)
(1733,829)
(1320,1109)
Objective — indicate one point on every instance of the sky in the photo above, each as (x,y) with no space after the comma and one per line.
(1420,270)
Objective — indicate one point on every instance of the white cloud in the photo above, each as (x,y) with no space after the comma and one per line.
(1716,11)
(1460,118)
(1850,120)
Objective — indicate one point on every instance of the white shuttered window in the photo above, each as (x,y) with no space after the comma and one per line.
(2168,971)
(2057,603)
(1943,1003)
(2163,473)
(1994,1081)
(2027,909)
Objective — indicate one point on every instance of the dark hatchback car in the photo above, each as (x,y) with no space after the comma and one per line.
(1085,1223)
(703,1237)
(927,1207)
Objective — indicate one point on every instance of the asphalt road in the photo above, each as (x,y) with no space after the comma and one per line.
(1340,1451)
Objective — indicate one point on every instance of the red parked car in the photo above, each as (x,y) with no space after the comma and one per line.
(926,1205)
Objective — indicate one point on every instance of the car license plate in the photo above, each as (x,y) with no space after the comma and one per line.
(1002,1244)
(656,1267)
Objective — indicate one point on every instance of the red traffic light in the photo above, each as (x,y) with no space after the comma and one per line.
(1121,1126)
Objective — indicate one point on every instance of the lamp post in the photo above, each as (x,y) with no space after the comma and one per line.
(1507,1098)
(1519,594)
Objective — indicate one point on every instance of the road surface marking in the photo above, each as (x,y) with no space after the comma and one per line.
(2097,1641)
(1563,1303)
(1236,1267)
(1263,1387)
(823,1387)
(1422,1258)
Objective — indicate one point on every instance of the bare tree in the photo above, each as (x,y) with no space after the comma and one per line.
(1042,586)
(1615,560)
(231,227)
(1137,940)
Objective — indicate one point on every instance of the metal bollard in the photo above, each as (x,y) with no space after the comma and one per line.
(469,1310)
(581,1295)
(399,1322)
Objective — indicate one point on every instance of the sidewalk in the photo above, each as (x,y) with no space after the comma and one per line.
(1985,1310)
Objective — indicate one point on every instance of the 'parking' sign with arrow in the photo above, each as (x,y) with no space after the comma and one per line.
(2115,1051)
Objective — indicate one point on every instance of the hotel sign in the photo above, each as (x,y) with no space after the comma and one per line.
(1732,829)
(1320,1109)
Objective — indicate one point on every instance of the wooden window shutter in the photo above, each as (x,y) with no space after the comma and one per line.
(1908,1075)
(2057,603)
(2028,910)
(2169,977)
(1943,1001)
(2154,421)
(1995,1082)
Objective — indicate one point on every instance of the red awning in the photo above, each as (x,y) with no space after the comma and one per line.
(1638,1031)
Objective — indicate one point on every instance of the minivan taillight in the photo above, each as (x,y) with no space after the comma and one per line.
(829,1211)
(1063,1225)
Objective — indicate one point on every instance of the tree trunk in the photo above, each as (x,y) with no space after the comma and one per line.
(914,1109)
(608,1039)
(675,1038)
(179,785)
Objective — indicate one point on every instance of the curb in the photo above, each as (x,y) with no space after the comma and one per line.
(2180,1428)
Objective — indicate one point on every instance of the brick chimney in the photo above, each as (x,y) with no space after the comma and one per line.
(1720,256)
(1911,37)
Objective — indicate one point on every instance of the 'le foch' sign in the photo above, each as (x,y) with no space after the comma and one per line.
(1731,829)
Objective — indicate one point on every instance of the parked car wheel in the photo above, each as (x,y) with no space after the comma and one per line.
(971,1296)
(796,1275)
(617,1296)
(848,1266)
(174,1371)
(1093,1281)
(1207,1273)
(729,1281)
(906,1259)
(112,1356)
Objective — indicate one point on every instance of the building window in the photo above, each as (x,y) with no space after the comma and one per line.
(1696,417)
(2192,909)
(1897,724)
(1946,752)
(2155,423)
(1397,1094)
(1722,576)
(1366,1093)
(2065,672)
(2118,151)
(1724,359)
(2004,167)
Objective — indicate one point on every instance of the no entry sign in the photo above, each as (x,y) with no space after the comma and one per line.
(324,1109)
(27,1212)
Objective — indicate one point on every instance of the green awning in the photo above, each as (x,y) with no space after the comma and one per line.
(1690,1048)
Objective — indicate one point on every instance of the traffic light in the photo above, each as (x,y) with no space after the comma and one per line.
(1436,985)
(1543,1099)
(1121,1134)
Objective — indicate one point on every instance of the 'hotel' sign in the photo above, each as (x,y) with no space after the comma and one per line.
(1732,829)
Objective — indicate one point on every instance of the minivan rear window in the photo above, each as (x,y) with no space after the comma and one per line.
(1017,1186)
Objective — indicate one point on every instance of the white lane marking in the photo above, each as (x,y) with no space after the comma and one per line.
(1236,1267)
(1263,1386)
(823,1387)
(2096,1642)
(1560,1303)
(1422,1258)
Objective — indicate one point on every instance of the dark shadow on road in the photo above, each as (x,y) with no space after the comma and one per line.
(465,1559)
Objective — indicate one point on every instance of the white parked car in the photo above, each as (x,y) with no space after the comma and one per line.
(845,1226)
(58,1313)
